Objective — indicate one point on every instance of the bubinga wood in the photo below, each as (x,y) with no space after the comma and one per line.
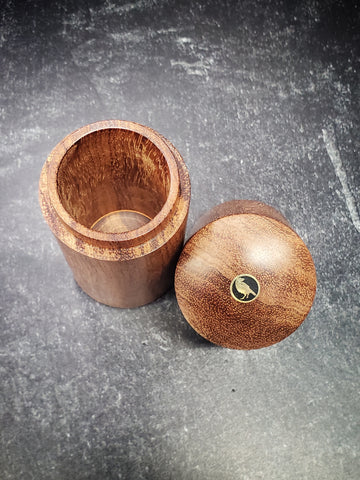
(245,279)
(116,196)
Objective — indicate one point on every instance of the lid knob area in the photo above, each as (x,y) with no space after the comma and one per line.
(245,279)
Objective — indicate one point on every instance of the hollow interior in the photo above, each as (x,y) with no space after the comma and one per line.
(113,180)
(120,221)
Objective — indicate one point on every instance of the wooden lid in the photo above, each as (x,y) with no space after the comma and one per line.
(245,280)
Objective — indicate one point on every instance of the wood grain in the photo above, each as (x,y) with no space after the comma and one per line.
(116,195)
(234,240)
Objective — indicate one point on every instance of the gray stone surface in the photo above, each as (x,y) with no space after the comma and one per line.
(262,100)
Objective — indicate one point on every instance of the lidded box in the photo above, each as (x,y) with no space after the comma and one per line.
(116,196)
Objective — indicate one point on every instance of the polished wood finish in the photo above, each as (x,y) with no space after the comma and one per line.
(116,196)
(236,207)
(245,238)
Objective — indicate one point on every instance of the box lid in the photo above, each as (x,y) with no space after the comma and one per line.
(245,279)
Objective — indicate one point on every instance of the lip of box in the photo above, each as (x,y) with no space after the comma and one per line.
(110,245)
(54,161)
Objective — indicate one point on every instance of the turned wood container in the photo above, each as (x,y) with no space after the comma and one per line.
(116,196)
(245,279)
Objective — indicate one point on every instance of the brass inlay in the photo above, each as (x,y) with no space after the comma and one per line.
(244,291)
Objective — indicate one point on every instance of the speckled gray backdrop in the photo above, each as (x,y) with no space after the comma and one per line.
(262,100)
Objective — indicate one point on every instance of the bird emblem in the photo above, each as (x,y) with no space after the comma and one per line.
(243,288)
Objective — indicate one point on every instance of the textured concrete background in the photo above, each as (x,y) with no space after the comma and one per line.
(262,100)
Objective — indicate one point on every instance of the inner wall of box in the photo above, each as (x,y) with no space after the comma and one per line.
(113,180)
